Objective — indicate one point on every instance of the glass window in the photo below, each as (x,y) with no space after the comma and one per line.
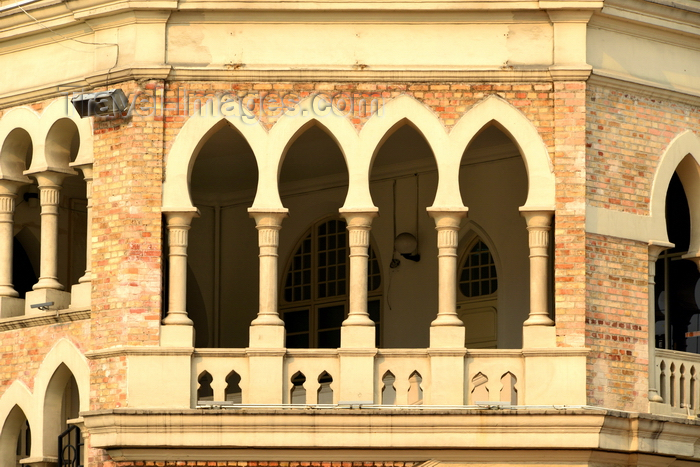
(315,287)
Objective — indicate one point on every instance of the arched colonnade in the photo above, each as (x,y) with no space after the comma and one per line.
(43,148)
(359,150)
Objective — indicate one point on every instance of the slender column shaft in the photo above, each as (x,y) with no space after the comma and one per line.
(7,209)
(655,250)
(87,277)
(538,226)
(358,225)
(447,224)
(178,230)
(49,197)
(268,225)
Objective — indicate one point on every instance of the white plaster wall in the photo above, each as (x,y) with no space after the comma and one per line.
(664,59)
(255,40)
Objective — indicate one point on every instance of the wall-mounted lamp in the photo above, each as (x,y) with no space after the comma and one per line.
(100,103)
(407,246)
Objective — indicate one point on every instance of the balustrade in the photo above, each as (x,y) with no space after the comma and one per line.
(402,377)
(677,376)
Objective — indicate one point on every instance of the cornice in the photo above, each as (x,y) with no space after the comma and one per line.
(644,88)
(42,319)
(125,351)
(115,76)
(133,434)
(674,16)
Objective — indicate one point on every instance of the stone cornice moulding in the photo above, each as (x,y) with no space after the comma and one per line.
(444,429)
(161,72)
(49,317)
(658,14)
(649,89)
(112,352)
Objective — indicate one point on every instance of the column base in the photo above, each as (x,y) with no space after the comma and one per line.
(267,337)
(447,337)
(177,336)
(539,337)
(11,306)
(357,337)
(60,299)
(80,295)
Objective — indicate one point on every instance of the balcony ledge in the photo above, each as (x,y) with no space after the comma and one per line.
(399,433)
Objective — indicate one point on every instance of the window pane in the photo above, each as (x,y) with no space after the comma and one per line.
(296,321)
(329,339)
(331,316)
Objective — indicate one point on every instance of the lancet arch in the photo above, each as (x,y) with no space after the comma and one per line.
(683,157)
(294,124)
(497,111)
(186,147)
(403,110)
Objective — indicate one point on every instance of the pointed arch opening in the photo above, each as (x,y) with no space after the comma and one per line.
(61,405)
(493,181)
(15,438)
(677,280)
(403,183)
(222,285)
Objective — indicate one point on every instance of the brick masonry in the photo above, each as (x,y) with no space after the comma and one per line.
(604,144)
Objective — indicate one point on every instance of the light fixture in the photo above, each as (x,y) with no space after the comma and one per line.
(407,246)
(42,306)
(100,103)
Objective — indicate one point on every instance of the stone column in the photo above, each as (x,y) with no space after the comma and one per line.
(357,336)
(82,291)
(358,328)
(447,325)
(655,249)
(48,289)
(267,329)
(447,350)
(10,305)
(538,329)
(178,328)
(178,224)
(266,347)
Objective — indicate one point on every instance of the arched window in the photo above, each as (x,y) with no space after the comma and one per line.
(677,281)
(478,300)
(315,288)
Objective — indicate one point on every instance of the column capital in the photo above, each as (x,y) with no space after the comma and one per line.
(180,218)
(447,217)
(10,186)
(656,247)
(268,217)
(537,218)
(50,178)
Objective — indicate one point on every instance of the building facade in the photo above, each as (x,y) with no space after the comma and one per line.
(343,234)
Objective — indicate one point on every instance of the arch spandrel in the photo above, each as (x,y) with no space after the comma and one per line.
(683,156)
(190,140)
(540,172)
(392,115)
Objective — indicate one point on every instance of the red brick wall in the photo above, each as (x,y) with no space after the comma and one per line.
(626,134)
(616,323)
